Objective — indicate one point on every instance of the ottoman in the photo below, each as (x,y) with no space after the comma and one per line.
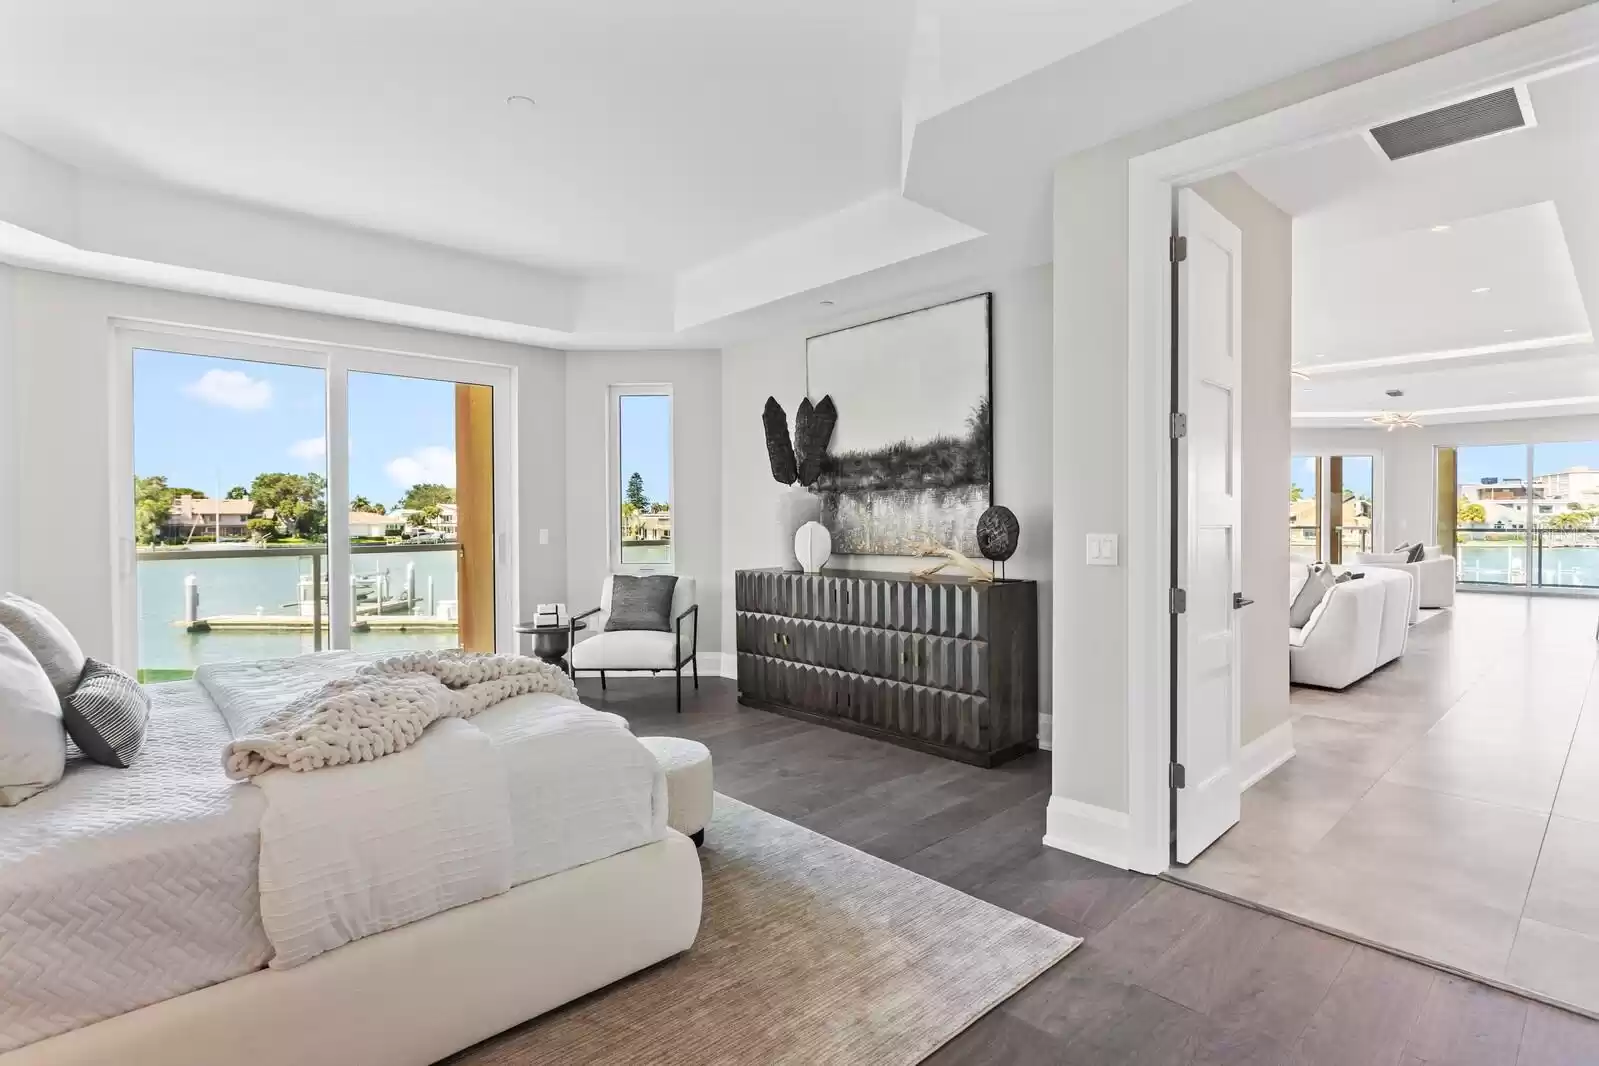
(687,764)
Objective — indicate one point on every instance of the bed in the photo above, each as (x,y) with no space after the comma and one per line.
(131,931)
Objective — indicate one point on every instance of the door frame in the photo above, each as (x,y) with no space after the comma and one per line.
(337,362)
(1542,49)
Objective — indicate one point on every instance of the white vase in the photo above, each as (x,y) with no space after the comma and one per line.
(795,507)
(813,546)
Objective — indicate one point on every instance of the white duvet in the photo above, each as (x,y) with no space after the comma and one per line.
(120,888)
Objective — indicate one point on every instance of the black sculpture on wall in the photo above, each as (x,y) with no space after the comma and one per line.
(799,460)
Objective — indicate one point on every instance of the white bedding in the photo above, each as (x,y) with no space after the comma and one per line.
(119,888)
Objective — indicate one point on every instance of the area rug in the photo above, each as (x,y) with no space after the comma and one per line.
(809,952)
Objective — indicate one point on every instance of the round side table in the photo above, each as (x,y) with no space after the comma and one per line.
(551,643)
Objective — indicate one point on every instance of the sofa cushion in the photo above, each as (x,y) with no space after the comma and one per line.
(1318,581)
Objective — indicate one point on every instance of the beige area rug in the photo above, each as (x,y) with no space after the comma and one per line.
(809,952)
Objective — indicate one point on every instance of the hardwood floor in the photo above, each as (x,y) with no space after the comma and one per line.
(1166,975)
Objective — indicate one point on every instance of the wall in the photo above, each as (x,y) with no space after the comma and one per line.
(1267,395)
(774,365)
(9,516)
(63,494)
(696,380)
(1090,414)
(1407,469)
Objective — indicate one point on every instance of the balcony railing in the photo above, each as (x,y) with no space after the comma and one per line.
(1304,540)
(1536,558)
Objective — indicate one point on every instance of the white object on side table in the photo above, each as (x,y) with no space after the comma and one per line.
(813,546)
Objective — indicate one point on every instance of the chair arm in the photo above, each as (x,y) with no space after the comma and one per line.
(571,626)
(694,646)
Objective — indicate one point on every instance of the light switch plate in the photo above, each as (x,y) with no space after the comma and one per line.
(544,536)
(1102,549)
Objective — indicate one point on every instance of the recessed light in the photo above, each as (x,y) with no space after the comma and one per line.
(520,103)
(827,303)
(1440,229)
(1320,355)
(1480,289)
(1510,331)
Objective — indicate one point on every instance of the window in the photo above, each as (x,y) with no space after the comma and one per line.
(1350,481)
(1304,521)
(641,449)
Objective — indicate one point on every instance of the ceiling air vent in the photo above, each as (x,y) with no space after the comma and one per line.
(1468,120)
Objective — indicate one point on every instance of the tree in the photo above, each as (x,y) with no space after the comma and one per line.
(629,521)
(362,505)
(1295,494)
(261,529)
(426,494)
(1571,520)
(1469,513)
(429,515)
(238,492)
(635,492)
(660,507)
(152,506)
(297,501)
(196,493)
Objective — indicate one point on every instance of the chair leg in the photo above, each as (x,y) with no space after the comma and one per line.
(602,680)
(696,673)
(679,675)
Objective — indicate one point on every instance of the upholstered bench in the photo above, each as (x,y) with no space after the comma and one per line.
(689,792)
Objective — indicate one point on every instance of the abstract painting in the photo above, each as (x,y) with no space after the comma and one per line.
(912,456)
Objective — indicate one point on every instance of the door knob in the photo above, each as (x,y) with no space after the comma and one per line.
(1240,600)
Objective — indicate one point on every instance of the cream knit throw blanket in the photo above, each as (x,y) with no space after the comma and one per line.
(384,706)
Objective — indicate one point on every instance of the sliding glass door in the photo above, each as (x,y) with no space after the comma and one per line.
(1331,507)
(1304,520)
(282,501)
(1528,515)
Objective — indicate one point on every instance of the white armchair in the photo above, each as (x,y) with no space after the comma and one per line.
(1437,581)
(1338,646)
(641,649)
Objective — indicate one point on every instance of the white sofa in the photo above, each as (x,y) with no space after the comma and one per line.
(1433,577)
(1359,626)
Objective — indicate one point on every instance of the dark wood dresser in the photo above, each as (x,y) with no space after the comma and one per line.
(939,664)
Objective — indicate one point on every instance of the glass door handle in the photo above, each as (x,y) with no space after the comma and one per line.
(1240,601)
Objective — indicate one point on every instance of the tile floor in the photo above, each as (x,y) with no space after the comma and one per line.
(1448,805)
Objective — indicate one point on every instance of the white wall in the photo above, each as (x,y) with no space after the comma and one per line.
(1267,395)
(1407,468)
(1090,414)
(695,377)
(62,332)
(774,365)
(9,515)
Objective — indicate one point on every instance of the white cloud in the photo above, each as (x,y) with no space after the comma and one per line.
(425,465)
(230,388)
(312,449)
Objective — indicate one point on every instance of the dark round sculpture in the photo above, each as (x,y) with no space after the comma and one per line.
(997,532)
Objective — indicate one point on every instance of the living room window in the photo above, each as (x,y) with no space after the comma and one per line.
(641,482)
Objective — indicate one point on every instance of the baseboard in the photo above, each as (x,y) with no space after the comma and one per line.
(1264,754)
(1046,731)
(1097,833)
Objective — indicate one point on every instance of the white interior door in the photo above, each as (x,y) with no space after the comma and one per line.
(1208,373)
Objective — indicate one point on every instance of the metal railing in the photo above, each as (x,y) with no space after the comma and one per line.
(1541,553)
(314,552)
(1354,538)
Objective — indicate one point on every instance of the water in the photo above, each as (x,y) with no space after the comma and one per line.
(240,586)
(1566,566)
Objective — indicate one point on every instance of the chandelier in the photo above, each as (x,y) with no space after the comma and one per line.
(1395,420)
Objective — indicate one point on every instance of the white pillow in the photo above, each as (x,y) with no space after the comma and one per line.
(33,744)
(43,634)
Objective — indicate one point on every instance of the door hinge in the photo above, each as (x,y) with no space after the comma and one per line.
(1179,425)
(1179,601)
(1177,776)
(1179,249)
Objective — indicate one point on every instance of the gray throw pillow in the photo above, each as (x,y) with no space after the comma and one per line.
(1416,553)
(1317,582)
(641,602)
(106,714)
(43,634)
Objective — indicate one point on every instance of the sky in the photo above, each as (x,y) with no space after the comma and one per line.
(210,424)
(646,427)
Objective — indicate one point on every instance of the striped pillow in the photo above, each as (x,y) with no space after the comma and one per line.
(106,714)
